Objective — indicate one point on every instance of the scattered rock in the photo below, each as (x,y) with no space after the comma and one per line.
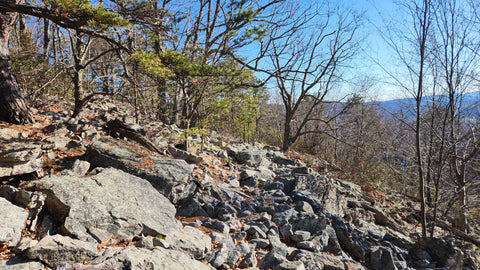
(7,134)
(19,263)
(308,245)
(382,259)
(261,172)
(59,141)
(299,236)
(224,240)
(198,205)
(260,243)
(13,220)
(303,206)
(280,159)
(24,244)
(287,265)
(303,170)
(220,257)
(350,239)
(248,157)
(272,259)
(188,157)
(444,252)
(190,240)
(317,260)
(17,158)
(57,248)
(141,258)
(252,211)
(80,167)
(216,225)
(249,261)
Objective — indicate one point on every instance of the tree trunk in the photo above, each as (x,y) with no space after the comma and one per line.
(46,38)
(162,106)
(287,134)
(176,106)
(462,213)
(13,108)
(78,92)
(22,35)
(424,26)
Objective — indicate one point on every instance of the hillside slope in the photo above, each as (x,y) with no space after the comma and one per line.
(74,197)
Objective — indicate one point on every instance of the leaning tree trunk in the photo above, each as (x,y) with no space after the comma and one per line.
(13,108)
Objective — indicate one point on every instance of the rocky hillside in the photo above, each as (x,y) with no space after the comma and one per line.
(74,194)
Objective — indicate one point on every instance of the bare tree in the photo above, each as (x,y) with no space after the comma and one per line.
(304,55)
(12,105)
(456,51)
(439,51)
(410,45)
(82,58)
(422,16)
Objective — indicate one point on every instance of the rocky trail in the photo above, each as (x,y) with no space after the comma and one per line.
(74,197)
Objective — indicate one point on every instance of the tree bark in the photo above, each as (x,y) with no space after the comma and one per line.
(78,92)
(287,133)
(422,35)
(13,108)
(162,110)
(46,38)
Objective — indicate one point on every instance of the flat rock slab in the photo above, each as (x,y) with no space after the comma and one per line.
(252,158)
(191,240)
(141,258)
(172,177)
(109,204)
(188,157)
(12,221)
(57,248)
(318,260)
(18,158)
(20,264)
(10,133)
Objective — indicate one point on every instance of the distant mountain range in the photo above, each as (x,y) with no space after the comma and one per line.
(470,104)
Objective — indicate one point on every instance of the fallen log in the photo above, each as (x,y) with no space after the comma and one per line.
(118,129)
(458,233)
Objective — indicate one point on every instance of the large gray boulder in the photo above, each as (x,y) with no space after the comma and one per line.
(381,258)
(172,177)
(190,240)
(181,154)
(57,248)
(140,258)
(325,188)
(33,201)
(18,263)
(12,221)
(445,253)
(317,260)
(109,204)
(261,172)
(18,158)
(250,157)
(351,239)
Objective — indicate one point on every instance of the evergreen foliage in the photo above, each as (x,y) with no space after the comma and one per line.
(85,13)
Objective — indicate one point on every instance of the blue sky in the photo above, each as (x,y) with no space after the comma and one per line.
(376,54)
(373,54)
